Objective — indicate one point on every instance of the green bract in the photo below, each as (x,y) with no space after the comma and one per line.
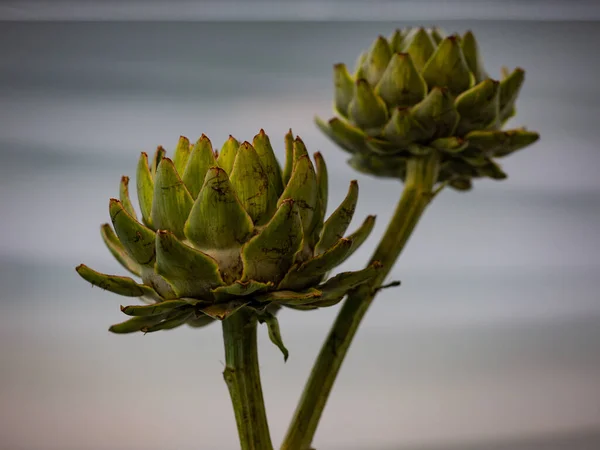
(221,231)
(418,92)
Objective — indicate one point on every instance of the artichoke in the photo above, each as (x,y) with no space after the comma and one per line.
(419,92)
(228,230)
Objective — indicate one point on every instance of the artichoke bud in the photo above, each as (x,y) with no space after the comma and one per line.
(419,92)
(220,232)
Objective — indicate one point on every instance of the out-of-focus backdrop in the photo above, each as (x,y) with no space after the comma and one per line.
(493,340)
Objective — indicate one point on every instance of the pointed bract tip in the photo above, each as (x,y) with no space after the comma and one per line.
(354,183)
(262,132)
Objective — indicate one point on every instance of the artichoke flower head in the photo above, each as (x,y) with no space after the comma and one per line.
(420,92)
(230,229)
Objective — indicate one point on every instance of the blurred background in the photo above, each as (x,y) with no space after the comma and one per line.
(493,340)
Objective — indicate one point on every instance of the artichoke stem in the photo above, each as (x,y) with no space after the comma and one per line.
(421,176)
(242,376)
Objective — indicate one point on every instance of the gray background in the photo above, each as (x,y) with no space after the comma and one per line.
(493,341)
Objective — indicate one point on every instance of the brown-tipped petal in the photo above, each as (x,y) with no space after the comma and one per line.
(478,107)
(251,184)
(119,285)
(227,154)
(420,46)
(172,201)
(145,189)
(343,88)
(201,159)
(377,60)
(181,154)
(118,251)
(401,84)
(367,109)
(448,68)
(348,137)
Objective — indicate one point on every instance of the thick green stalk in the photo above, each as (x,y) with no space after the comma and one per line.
(242,376)
(418,190)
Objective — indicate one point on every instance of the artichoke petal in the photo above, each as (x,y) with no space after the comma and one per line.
(136,324)
(360,235)
(289,297)
(335,288)
(118,251)
(137,240)
(436,113)
(337,224)
(377,60)
(269,255)
(190,272)
(228,154)
(322,184)
(367,110)
(241,289)
(472,56)
(124,197)
(181,154)
(221,311)
(303,190)
(402,129)
(510,87)
(450,145)
(289,157)
(177,320)
(501,143)
(251,183)
(272,323)
(145,189)
(448,68)
(344,88)
(420,46)
(343,134)
(437,35)
(199,322)
(266,155)
(200,160)
(401,84)
(478,107)
(492,170)
(312,271)
(172,201)
(396,40)
(159,154)
(156,309)
(119,285)
(217,219)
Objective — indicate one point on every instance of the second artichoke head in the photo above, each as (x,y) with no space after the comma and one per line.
(420,92)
